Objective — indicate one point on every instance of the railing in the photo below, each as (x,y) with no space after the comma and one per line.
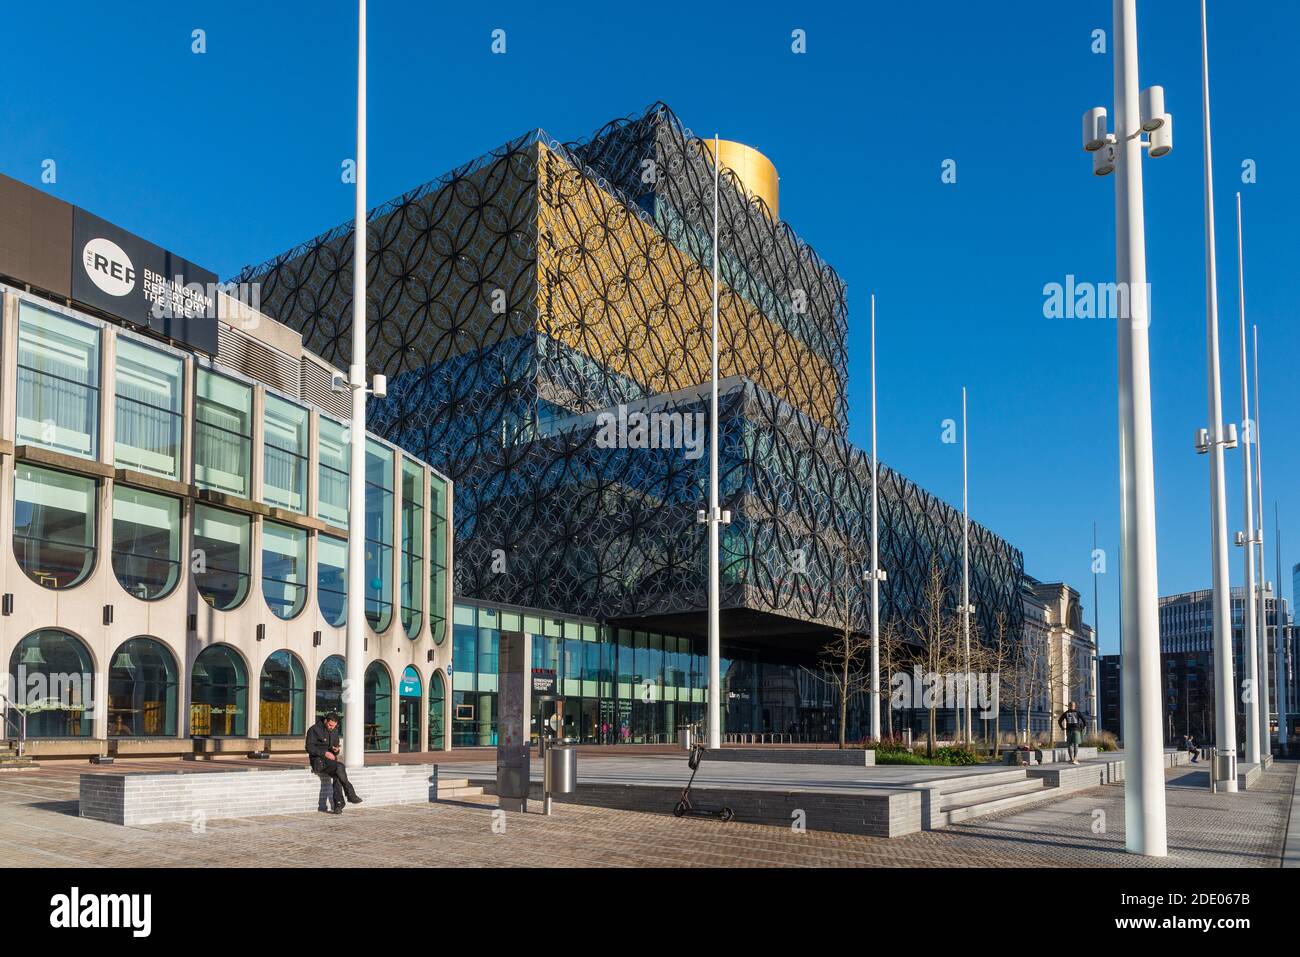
(20,726)
(758,737)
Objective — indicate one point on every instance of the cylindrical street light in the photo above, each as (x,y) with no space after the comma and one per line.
(1144,786)
(354,697)
(1213,443)
(715,515)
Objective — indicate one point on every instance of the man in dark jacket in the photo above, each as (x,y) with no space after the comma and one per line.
(323,749)
(1073,723)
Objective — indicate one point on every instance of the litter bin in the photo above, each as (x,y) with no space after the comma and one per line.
(1225,768)
(559,773)
(684,737)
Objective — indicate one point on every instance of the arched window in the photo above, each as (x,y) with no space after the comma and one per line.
(437,558)
(219,694)
(284,568)
(379,708)
(437,712)
(142,690)
(284,696)
(55,515)
(329,687)
(52,680)
(222,540)
(412,548)
(408,710)
(379,535)
(146,542)
(332,579)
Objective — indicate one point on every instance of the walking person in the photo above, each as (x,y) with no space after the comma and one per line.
(323,747)
(1073,723)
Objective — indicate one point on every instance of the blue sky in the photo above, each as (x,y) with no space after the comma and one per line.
(233,156)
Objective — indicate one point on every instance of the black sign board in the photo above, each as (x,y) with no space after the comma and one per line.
(125,276)
(544,681)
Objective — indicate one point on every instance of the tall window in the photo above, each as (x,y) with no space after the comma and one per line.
(329,687)
(284,696)
(379,535)
(332,476)
(223,416)
(54,525)
(437,557)
(222,541)
(437,712)
(58,382)
(284,439)
(150,392)
(146,542)
(284,568)
(412,547)
(332,579)
(52,680)
(379,708)
(219,693)
(142,690)
(408,710)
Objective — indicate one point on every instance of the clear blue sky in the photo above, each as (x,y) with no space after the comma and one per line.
(233,156)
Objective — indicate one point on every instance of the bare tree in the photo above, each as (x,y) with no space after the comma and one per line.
(846,659)
(938,636)
(893,653)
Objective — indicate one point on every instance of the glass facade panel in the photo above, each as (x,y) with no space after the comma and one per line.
(219,694)
(379,708)
(283,704)
(221,541)
(146,542)
(284,568)
(148,419)
(332,579)
(55,517)
(412,547)
(332,473)
(142,690)
(52,681)
(437,557)
(379,535)
(223,414)
(58,382)
(284,456)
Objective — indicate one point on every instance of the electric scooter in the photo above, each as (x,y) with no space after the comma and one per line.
(684,806)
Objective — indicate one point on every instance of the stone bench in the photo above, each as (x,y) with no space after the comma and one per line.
(136,800)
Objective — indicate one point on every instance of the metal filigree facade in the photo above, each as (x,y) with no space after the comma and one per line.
(514,299)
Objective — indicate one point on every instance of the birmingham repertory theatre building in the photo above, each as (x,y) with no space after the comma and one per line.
(174,489)
(521,304)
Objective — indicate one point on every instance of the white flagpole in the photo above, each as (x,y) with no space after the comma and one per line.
(1265,739)
(354,690)
(714,517)
(1248,591)
(875,546)
(965,563)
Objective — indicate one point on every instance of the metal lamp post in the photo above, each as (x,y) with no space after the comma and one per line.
(354,699)
(1121,153)
(1264,685)
(876,574)
(965,568)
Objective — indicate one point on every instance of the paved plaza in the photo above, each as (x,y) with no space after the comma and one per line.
(39,827)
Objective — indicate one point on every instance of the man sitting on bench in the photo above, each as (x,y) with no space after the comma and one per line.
(323,749)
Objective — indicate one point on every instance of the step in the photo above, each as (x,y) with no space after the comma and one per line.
(962,782)
(445,793)
(989,792)
(967,812)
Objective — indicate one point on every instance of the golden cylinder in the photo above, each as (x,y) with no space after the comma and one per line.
(754,170)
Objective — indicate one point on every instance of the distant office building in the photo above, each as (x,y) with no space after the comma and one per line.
(1188,663)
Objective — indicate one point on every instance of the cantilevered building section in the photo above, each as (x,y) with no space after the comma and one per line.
(516,299)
